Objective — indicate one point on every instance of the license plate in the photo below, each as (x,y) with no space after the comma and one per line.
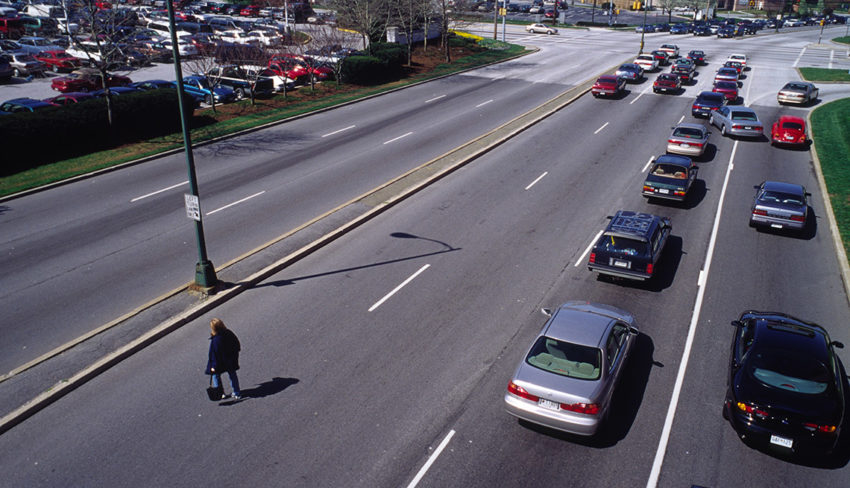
(549,404)
(789,137)
(685,144)
(748,127)
(663,190)
(776,226)
(621,264)
(781,441)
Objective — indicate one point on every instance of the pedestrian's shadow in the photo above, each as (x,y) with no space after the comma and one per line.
(268,388)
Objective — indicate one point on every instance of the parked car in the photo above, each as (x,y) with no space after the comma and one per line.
(279,82)
(59,61)
(69,98)
(86,80)
(24,105)
(6,69)
(679,28)
(706,103)
(737,121)
(789,130)
(35,44)
(797,92)
(567,379)
(670,177)
(240,81)
(541,29)
(630,72)
(25,64)
(785,386)
(688,139)
(199,86)
(115,91)
(667,82)
(728,89)
(779,205)
(726,32)
(608,85)
(630,245)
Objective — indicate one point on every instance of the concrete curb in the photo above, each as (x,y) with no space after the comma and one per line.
(380,199)
(840,252)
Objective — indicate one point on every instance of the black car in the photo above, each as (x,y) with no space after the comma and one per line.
(706,103)
(702,30)
(726,32)
(684,70)
(630,246)
(697,56)
(785,385)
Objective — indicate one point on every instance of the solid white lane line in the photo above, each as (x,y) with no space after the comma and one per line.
(435,98)
(431,460)
(599,129)
(645,90)
(399,287)
(646,166)
(798,58)
(749,88)
(589,247)
(160,191)
(538,179)
(236,203)
(484,103)
(680,376)
(399,137)
(338,131)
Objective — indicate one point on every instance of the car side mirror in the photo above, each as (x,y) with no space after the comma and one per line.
(808,194)
(634,330)
(737,323)
(546,311)
(836,344)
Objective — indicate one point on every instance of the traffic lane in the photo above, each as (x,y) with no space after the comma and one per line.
(374,378)
(770,272)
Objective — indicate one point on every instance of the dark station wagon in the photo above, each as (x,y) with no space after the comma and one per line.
(630,246)
(670,177)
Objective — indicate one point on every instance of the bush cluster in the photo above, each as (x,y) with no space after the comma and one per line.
(383,64)
(54,134)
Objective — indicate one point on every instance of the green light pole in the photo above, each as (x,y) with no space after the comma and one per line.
(643,31)
(204,269)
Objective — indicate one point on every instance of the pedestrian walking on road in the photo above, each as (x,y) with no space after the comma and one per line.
(224,356)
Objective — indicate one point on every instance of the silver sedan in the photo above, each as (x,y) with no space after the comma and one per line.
(688,139)
(799,92)
(737,121)
(779,205)
(567,378)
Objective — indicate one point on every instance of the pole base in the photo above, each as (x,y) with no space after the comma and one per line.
(205,274)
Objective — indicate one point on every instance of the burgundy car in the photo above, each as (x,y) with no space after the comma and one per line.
(86,80)
(608,85)
(667,82)
(729,89)
(59,60)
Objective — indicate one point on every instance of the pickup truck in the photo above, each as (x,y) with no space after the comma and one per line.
(240,81)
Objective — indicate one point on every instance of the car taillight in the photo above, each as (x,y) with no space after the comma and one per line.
(521,392)
(798,218)
(752,410)
(737,126)
(588,408)
(759,212)
(695,144)
(679,193)
(672,141)
(645,188)
(592,258)
(827,429)
(649,268)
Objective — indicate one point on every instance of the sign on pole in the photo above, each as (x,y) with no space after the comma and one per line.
(193,207)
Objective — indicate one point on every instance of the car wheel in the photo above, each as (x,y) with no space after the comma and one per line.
(208,99)
(17,73)
(240,93)
(723,130)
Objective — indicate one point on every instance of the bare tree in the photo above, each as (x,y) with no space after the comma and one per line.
(204,64)
(407,16)
(368,17)
(328,47)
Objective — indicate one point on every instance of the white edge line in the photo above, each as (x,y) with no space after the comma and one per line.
(338,131)
(641,94)
(160,191)
(680,120)
(399,287)
(581,258)
(435,98)
(603,126)
(431,459)
(798,58)
(237,202)
(680,376)
(484,103)
(399,137)
(646,166)
(538,179)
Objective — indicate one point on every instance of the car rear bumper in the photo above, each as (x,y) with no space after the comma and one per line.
(791,99)
(759,435)
(745,133)
(685,151)
(619,272)
(573,423)
(775,222)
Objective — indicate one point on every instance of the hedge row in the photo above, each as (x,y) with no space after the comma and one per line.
(383,64)
(54,134)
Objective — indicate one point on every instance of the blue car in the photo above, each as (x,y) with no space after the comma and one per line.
(200,85)
(162,84)
(115,91)
(16,105)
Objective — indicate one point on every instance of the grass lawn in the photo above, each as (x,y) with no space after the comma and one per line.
(235,117)
(825,75)
(831,133)
(843,40)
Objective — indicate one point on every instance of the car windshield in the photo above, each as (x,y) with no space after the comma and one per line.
(780,197)
(565,358)
(669,171)
(788,370)
(792,125)
(623,245)
(743,116)
(688,132)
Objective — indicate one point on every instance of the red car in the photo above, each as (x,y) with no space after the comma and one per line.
(298,68)
(729,89)
(608,85)
(69,98)
(789,130)
(250,11)
(59,60)
(86,80)
(667,82)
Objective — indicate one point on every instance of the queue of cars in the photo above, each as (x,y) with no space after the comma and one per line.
(785,383)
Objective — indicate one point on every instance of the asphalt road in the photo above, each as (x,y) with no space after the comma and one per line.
(352,386)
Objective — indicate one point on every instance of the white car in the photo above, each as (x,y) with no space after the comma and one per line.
(280,82)
(671,49)
(740,58)
(541,29)
(647,62)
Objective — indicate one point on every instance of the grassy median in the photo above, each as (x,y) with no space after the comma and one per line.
(831,133)
(232,118)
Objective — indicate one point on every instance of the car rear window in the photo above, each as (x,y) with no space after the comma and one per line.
(726,84)
(743,116)
(669,171)
(788,370)
(622,245)
(565,358)
(779,197)
(687,132)
(710,98)
(792,125)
